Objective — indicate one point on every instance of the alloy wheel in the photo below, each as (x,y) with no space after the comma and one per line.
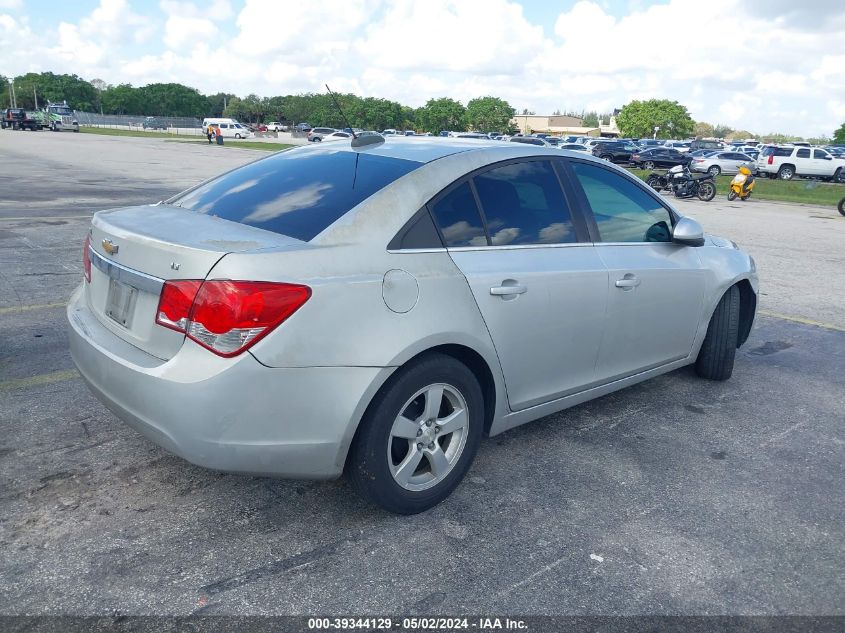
(648,165)
(428,437)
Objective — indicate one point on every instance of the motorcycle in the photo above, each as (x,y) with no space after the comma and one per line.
(842,206)
(680,181)
(742,185)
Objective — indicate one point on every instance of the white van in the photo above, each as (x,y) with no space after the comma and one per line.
(230,128)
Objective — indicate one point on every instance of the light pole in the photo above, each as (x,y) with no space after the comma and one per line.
(656,130)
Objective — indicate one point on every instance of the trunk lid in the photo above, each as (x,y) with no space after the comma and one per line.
(134,250)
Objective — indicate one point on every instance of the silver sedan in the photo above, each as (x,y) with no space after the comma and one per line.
(378,307)
(722,163)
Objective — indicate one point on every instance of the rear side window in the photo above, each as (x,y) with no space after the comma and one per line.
(803,153)
(459,219)
(297,193)
(523,203)
(623,211)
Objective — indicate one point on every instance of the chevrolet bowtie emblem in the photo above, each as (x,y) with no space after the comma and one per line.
(110,247)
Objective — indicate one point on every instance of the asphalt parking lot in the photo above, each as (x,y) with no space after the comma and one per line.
(676,496)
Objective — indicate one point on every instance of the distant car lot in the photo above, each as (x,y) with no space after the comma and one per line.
(718,498)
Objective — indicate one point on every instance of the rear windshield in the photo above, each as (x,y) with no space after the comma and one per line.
(297,193)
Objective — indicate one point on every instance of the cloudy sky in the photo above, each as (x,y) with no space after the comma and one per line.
(761,65)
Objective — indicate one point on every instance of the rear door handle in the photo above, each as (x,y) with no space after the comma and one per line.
(628,282)
(503,291)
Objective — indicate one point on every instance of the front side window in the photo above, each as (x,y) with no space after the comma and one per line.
(624,211)
(458,217)
(523,203)
(820,153)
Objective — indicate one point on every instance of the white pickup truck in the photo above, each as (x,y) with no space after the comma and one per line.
(275,126)
(788,161)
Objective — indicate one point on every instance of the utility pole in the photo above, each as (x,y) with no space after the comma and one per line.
(11,96)
(14,103)
(35,94)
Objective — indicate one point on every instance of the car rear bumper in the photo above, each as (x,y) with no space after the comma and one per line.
(235,414)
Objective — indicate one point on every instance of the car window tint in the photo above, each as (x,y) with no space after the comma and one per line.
(624,211)
(297,192)
(523,203)
(459,219)
(803,153)
(819,153)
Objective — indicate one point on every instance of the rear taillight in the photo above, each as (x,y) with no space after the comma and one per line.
(771,159)
(227,317)
(86,259)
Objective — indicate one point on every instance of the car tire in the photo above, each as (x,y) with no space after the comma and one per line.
(839,176)
(786,172)
(714,170)
(731,195)
(716,358)
(386,463)
(841,206)
(648,165)
(653,181)
(607,157)
(237,136)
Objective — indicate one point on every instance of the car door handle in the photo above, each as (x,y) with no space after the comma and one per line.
(627,282)
(503,291)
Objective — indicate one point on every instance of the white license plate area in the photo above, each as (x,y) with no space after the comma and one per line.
(120,302)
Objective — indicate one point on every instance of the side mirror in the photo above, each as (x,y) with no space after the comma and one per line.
(688,232)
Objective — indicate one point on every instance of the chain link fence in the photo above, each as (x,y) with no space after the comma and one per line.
(189,126)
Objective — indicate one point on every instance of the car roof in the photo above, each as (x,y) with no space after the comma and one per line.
(422,149)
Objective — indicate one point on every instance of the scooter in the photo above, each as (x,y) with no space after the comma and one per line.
(742,185)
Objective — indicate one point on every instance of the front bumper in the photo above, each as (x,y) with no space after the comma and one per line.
(229,414)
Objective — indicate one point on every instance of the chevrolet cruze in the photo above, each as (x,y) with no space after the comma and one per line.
(376,307)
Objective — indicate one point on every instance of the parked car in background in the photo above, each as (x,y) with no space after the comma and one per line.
(681,146)
(529,140)
(339,309)
(787,161)
(302,127)
(722,163)
(334,136)
(659,157)
(614,151)
(651,142)
(475,135)
(276,126)
(317,133)
(229,128)
(698,153)
(575,147)
(701,144)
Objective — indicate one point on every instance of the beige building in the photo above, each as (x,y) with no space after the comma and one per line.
(561,124)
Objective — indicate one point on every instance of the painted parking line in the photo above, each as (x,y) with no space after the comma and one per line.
(29,308)
(796,319)
(39,380)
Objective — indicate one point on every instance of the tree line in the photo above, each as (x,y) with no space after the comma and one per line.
(172,99)
(636,119)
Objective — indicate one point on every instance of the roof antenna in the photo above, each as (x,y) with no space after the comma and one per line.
(337,105)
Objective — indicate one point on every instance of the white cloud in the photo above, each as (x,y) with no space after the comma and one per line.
(749,65)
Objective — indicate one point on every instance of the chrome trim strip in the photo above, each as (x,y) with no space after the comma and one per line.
(139,280)
(506,247)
